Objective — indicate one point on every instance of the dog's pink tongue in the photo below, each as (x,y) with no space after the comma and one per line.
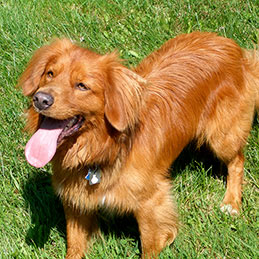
(42,146)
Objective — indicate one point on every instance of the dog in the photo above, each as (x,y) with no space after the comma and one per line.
(111,133)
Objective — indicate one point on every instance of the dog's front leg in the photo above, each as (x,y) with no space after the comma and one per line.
(157,220)
(80,228)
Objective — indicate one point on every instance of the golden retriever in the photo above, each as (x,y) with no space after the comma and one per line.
(112,132)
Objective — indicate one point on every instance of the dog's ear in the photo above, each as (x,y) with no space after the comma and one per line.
(123,94)
(30,79)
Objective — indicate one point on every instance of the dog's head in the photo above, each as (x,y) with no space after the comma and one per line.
(72,86)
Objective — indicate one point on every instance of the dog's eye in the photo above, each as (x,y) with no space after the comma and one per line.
(82,86)
(50,74)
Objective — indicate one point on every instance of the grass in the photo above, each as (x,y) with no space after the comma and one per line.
(32,223)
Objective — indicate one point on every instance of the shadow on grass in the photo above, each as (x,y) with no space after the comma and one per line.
(47,213)
(203,156)
(46,209)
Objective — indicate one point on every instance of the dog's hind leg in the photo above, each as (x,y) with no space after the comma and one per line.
(237,136)
(232,200)
(232,155)
(228,148)
(227,138)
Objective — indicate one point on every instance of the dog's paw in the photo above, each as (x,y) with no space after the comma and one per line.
(228,209)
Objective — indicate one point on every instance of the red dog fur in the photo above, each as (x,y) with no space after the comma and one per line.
(197,86)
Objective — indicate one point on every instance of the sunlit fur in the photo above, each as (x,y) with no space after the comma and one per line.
(197,86)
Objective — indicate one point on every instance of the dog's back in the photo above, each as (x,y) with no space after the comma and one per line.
(201,83)
(207,88)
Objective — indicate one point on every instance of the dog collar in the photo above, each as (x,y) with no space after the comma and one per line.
(93,175)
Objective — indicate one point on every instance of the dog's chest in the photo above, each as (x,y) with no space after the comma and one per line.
(77,192)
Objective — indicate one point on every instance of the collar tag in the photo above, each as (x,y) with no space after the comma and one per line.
(93,175)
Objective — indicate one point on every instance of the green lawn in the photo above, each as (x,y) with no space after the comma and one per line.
(32,223)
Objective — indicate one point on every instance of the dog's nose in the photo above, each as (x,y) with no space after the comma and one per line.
(42,101)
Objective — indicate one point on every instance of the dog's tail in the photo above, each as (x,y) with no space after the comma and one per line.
(253,60)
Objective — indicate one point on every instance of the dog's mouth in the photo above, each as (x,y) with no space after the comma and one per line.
(42,146)
(72,126)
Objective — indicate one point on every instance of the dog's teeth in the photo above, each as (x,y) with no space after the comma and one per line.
(69,124)
(72,122)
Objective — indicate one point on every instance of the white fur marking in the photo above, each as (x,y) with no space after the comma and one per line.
(103,199)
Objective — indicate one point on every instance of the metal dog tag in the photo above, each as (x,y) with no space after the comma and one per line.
(93,176)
